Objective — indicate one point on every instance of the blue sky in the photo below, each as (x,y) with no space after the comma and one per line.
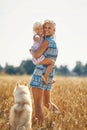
(16,21)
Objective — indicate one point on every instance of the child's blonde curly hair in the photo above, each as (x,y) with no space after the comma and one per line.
(36,25)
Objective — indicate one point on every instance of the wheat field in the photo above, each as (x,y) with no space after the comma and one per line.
(68,93)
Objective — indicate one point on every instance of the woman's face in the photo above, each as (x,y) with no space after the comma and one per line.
(49,29)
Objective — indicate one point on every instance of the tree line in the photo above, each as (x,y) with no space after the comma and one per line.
(27,67)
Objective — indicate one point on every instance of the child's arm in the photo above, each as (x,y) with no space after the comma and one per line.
(32,52)
(42,48)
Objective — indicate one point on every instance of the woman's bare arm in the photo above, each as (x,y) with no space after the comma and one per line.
(42,48)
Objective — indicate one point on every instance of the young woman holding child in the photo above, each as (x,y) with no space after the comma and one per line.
(41,90)
(38,40)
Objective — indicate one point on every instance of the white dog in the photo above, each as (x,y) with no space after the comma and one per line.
(21,111)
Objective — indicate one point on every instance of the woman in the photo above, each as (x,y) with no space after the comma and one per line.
(40,90)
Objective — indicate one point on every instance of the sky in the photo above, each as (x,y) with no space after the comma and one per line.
(16,21)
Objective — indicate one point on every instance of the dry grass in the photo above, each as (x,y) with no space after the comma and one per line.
(69,94)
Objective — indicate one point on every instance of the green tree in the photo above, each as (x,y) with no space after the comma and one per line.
(78,69)
(27,66)
(9,69)
(85,70)
(63,70)
(1,68)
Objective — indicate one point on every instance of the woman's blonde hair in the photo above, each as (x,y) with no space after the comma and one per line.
(49,22)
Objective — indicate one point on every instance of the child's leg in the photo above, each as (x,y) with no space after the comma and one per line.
(50,64)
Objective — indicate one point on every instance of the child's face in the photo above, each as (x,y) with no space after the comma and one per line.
(49,29)
(39,30)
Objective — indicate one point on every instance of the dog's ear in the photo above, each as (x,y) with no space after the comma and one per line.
(25,84)
(18,84)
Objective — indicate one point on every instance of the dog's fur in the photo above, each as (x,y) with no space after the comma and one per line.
(21,111)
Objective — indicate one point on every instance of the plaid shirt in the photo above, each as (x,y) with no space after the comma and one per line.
(52,53)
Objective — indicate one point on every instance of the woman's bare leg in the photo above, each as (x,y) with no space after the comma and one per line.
(38,101)
(47,101)
(46,98)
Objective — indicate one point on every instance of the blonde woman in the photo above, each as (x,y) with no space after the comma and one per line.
(41,90)
(38,40)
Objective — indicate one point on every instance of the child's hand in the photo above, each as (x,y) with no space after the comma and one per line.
(30,50)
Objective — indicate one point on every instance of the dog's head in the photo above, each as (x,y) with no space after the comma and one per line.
(21,93)
(20,89)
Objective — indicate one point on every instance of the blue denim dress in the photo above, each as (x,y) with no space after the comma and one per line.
(36,80)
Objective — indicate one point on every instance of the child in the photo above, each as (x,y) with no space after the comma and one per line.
(38,39)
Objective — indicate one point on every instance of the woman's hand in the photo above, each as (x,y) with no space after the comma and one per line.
(41,50)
